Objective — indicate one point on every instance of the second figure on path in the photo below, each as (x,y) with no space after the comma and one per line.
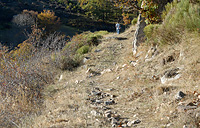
(117,27)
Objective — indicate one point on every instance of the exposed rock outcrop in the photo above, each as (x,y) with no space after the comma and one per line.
(139,33)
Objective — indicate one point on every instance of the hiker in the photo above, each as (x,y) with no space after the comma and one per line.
(117,27)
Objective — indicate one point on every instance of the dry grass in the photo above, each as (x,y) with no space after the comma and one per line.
(138,95)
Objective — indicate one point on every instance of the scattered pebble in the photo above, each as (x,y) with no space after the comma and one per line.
(180,95)
(61,77)
(85,59)
(97,50)
(118,78)
(114,125)
(93,112)
(107,115)
(124,65)
(124,125)
(99,101)
(110,89)
(130,123)
(95,93)
(113,120)
(185,126)
(109,102)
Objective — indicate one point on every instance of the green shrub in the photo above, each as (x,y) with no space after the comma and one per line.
(178,18)
(183,14)
(82,50)
(101,33)
(73,50)
(149,29)
(167,35)
(64,62)
(67,46)
(67,63)
(134,21)
(93,39)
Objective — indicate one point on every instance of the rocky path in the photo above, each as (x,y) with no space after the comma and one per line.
(114,89)
(86,97)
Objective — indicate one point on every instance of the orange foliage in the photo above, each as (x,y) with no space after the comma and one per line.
(24,52)
(48,20)
(126,19)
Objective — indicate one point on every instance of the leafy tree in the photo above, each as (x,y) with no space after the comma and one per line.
(46,20)
(70,5)
(100,9)
(150,9)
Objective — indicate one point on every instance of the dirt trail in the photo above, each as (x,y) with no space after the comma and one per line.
(110,91)
(68,105)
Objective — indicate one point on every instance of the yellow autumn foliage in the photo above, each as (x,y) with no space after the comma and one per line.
(24,51)
(48,20)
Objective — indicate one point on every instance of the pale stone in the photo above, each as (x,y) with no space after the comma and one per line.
(118,78)
(130,123)
(108,115)
(61,77)
(113,120)
(94,113)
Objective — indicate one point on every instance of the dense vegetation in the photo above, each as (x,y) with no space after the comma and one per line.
(179,18)
(98,10)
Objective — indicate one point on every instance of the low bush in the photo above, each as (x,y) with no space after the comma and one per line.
(48,20)
(22,80)
(67,63)
(101,33)
(71,54)
(183,14)
(82,50)
(150,29)
(134,21)
(23,20)
(93,39)
(178,18)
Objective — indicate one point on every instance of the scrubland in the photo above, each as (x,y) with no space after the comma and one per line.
(46,83)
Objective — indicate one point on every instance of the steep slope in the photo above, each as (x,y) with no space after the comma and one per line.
(156,88)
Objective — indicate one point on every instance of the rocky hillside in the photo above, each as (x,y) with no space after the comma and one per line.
(158,87)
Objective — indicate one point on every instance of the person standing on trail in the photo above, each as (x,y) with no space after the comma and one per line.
(117,27)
